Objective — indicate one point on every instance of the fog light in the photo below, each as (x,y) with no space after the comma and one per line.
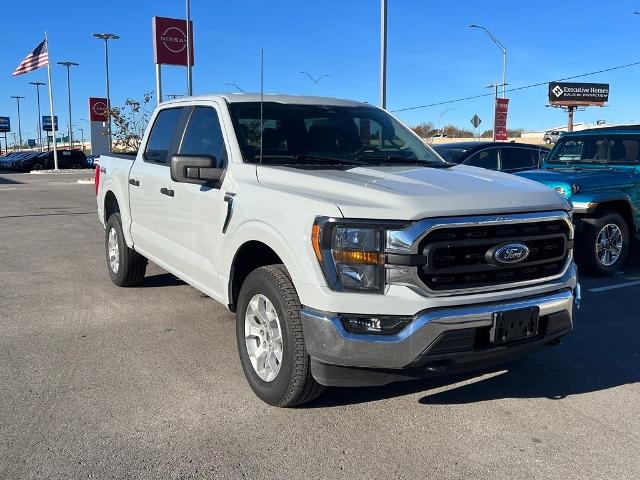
(376,325)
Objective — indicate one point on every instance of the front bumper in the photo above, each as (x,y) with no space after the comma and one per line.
(436,337)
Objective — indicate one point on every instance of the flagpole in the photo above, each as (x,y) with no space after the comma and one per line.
(53,118)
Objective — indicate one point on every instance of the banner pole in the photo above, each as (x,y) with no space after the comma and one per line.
(53,118)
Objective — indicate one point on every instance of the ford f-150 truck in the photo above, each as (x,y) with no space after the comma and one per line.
(598,170)
(350,252)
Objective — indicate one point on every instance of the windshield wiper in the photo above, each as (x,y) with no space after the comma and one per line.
(399,159)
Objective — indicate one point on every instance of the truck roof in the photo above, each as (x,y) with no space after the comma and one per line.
(285,99)
(614,129)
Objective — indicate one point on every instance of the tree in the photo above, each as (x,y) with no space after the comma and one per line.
(130,122)
(455,132)
(425,130)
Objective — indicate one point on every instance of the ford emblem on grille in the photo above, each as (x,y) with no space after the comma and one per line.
(508,253)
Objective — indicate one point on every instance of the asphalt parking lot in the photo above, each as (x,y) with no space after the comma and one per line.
(102,382)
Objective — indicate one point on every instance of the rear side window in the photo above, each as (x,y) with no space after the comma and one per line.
(161,136)
(203,135)
(484,159)
(517,159)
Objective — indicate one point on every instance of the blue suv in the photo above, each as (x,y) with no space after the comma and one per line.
(598,170)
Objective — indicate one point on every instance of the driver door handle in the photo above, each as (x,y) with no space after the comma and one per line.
(134,182)
(167,192)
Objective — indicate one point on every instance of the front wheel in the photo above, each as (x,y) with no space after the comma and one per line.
(270,340)
(605,243)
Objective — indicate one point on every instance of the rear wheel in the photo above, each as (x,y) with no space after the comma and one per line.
(126,266)
(548,141)
(604,243)
(270,340)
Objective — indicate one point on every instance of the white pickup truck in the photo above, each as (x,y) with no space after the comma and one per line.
(350,252)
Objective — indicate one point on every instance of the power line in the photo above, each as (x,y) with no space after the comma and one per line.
(515,89)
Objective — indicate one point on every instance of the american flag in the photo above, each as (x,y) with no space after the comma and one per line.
(36,59)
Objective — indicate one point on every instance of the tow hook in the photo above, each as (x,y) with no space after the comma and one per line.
(577,296)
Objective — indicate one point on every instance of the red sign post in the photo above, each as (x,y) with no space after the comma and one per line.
(170,41)
(500,124)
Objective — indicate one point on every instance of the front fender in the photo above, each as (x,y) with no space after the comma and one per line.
(588,202)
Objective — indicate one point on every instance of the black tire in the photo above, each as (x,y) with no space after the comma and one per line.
(548,141)
(131,265)
(294,384)
(587,248)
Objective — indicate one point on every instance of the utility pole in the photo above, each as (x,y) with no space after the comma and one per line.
(38,85)
(383,53)
(69,65)
(106,37)
(18,98)
(189,59)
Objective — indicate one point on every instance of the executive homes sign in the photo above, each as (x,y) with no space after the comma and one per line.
(583,94)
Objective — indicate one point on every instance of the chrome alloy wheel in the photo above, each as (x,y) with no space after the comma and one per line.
(609,244)
(114,251)
(263,337)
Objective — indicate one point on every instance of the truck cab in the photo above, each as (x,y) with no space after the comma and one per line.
(598,170)
(351,253)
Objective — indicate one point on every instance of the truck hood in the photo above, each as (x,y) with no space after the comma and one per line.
(587,179)
(410,192)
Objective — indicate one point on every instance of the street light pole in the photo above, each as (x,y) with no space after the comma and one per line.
(106,37)
(315,80)
(38,84)
(69,65)
(383,53)
(240,89)
(440,118)
(82,133)
(18,98)
(495,86)
(503,49)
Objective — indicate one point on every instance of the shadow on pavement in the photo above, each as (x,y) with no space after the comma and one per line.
(7,181)
(161,280)
(602,352)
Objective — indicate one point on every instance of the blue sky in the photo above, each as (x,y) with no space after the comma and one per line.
(433,56)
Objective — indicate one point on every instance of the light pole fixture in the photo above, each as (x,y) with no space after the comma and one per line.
(18,98)
(189,40)
(106,37)
(440,118)
(38,85)
(69,65)
(315,80)
(240,89)
(503,49)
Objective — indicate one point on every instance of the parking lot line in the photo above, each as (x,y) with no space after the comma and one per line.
(613,287)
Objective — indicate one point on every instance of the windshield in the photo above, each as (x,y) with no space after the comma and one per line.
(451,154)
(605,149)
(313,135)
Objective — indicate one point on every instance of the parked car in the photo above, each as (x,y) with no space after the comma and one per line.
(350,252)
(598,170)
(505,157)
(552,136)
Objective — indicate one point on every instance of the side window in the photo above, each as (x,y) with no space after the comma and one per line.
(484,159)
(203,135)
(161,136)
(517,159)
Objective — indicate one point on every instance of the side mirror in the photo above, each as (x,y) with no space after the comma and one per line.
(198,169)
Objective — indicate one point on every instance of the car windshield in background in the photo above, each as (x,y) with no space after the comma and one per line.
(326,135)
(610,149)
(451,154)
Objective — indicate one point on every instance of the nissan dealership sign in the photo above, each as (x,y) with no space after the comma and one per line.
(170,41)
(98,109)
(578,94)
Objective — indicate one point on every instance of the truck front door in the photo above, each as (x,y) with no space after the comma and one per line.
(193,216)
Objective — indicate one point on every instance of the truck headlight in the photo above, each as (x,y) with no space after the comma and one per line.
(351,254)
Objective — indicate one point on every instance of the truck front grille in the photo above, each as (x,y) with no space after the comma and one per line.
(456,256)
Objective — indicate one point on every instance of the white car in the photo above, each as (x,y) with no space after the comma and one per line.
(351,253)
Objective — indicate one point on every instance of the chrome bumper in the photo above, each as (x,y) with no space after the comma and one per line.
(327,341)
